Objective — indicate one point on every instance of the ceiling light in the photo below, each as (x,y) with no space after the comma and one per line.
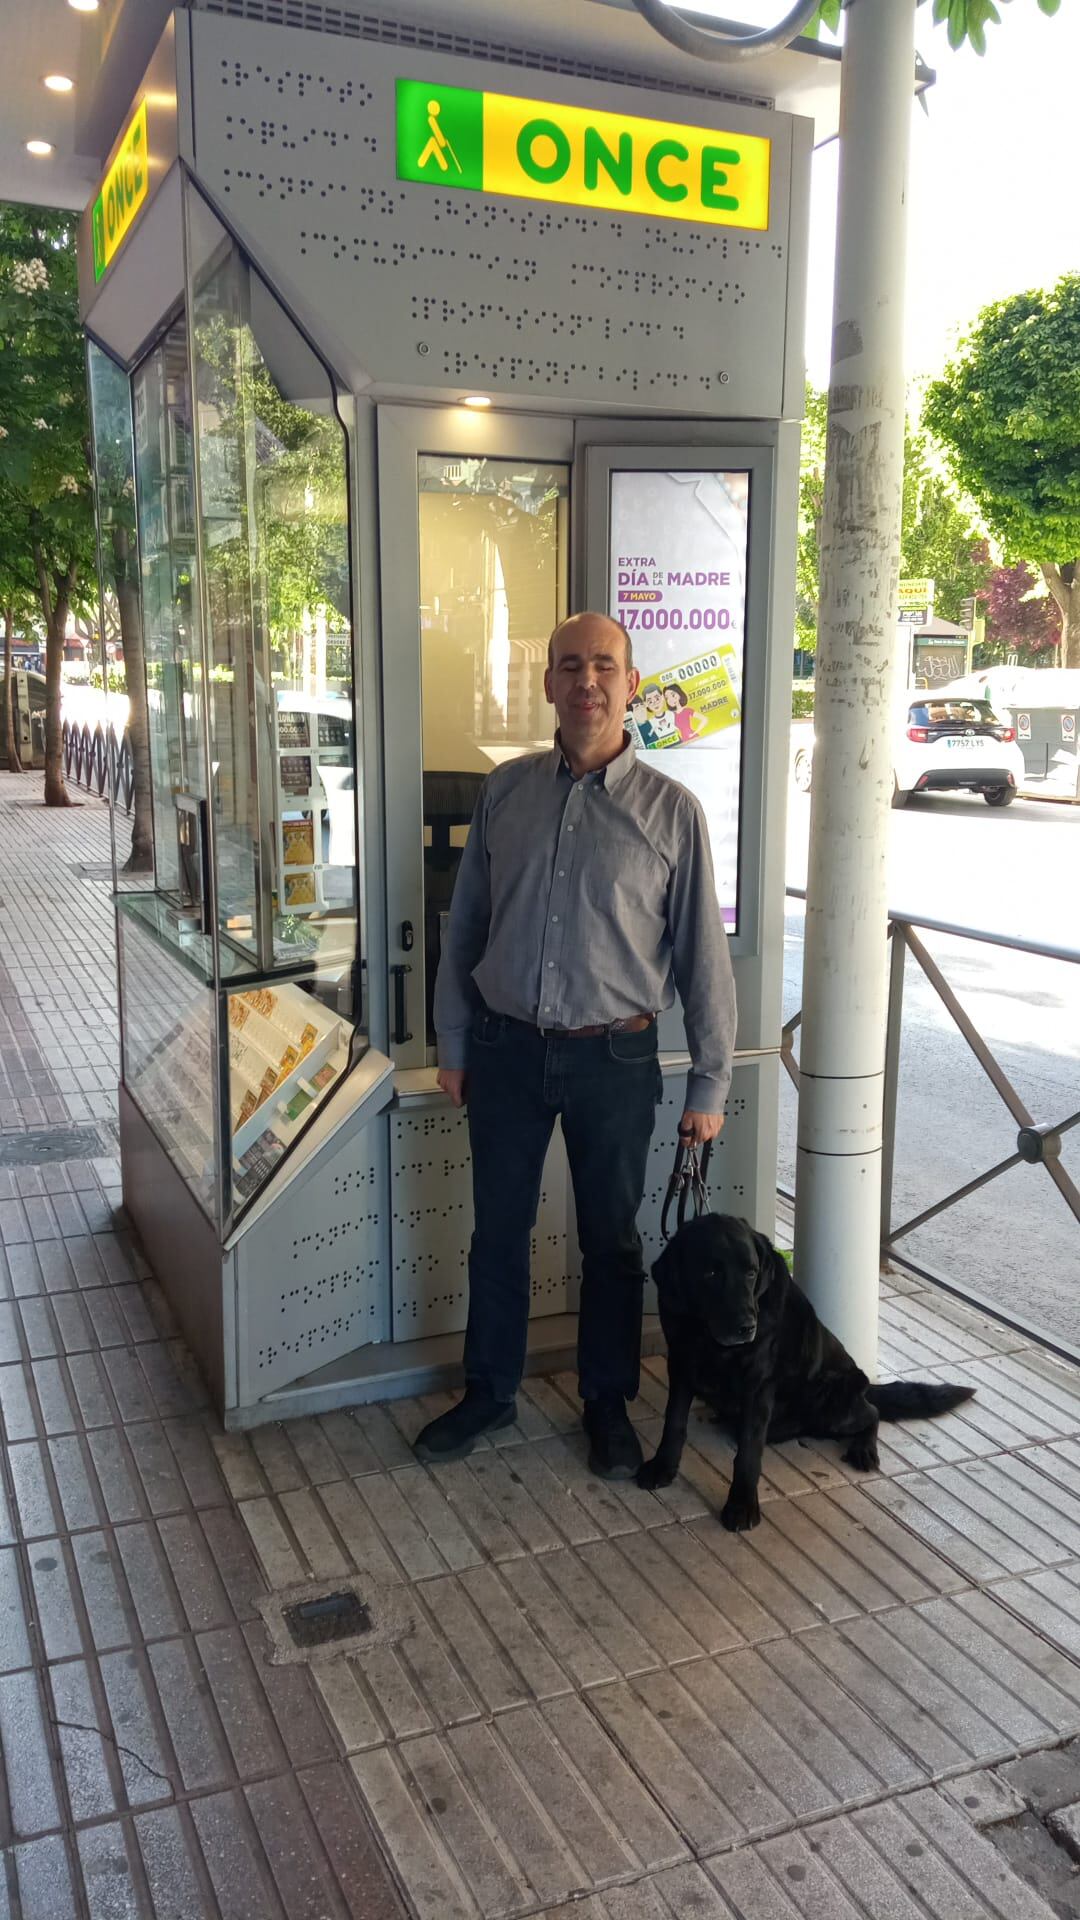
(84,6)
(58,83)
(39,148)
(476,400)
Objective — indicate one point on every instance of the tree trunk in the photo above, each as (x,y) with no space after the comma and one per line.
(141,857)
(11,744)
(55,602)
(1064,584)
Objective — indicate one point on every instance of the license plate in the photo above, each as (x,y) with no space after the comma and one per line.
(962,743)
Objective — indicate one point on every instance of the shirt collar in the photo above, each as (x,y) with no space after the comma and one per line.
(610,776)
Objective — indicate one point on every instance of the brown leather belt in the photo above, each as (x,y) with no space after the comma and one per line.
(634,1023)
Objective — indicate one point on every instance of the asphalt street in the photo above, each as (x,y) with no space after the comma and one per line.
(1015,872)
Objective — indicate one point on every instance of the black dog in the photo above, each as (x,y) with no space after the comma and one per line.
(743,1336)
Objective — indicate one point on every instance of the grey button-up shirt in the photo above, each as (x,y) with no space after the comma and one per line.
(579,902)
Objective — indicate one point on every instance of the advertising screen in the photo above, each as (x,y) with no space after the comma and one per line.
(678,558)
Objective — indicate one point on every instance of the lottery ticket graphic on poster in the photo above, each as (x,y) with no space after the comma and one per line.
(678,584)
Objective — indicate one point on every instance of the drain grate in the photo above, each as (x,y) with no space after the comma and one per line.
(334,1616)
(329,1620)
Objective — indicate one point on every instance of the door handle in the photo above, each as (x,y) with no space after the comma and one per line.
(401,1032)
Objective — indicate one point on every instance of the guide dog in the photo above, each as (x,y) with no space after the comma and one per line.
(742,1336)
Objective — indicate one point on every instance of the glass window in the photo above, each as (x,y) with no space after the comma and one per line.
(273,486)
(678,560)
(493,584)
(161,403)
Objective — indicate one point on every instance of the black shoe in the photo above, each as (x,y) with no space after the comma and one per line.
(614,1448)
(456,1433)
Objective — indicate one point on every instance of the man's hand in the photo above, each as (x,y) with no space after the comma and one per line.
(453,1082)
(696,1128)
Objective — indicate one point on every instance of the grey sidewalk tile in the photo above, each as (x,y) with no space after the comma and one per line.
(149,1582)
(57,1622)
(302,1727)
(28,1775)
(202,1755)
(172,1862)
(148,1772)
(202,1595)
(103,1589)
(155,1464)
(112,1463)
(234,1559)
(951,1527)
(305,1880)
(84,1744)
(242,1706)
(335,1807)
(43,1869)
(234,1859)
(514,1814)
(190,1439)
(14,1640)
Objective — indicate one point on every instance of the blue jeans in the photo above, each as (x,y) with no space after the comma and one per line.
(605,1090)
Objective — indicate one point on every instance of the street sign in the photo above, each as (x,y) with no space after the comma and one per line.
(1023,726)
(915,593)
(1068,728)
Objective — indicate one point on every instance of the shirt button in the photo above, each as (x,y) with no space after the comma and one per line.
(551,963)
(562,873)
(569,829)
(554,919)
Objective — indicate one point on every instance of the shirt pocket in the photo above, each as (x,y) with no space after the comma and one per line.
(625,880)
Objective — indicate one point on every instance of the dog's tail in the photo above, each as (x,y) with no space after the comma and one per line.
(915,1399)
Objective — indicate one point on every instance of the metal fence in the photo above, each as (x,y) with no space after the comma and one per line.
(1038,1144)
(99,763)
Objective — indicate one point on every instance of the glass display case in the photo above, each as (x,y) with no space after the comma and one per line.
(222,460)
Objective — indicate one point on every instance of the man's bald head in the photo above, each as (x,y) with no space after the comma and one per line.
(574,625)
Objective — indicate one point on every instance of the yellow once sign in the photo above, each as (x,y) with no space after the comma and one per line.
(580,156)
(123,191)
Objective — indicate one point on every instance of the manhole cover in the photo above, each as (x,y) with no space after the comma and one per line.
(336,1616)
(328,1619)
(44,1144)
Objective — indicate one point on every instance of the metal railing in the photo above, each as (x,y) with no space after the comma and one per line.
(1037,1145)
(99,763)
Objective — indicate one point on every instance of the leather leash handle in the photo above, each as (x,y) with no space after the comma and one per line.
(687,1185)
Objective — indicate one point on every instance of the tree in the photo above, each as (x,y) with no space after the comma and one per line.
(811,505)
(44,425)
(963,19)
(18,600)
(938,539)
(1019,619)
(1007,413)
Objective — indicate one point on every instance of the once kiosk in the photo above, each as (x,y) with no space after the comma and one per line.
(312,252)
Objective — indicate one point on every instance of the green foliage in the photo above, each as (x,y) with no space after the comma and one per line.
(802,701)
(938,539)
(811,505)
(962,19)
(45,492)
(1007,413)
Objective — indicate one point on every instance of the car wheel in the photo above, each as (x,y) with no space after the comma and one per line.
(900,795)
(999,796)
(803,770)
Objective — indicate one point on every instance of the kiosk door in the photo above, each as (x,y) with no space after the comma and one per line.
(476,532)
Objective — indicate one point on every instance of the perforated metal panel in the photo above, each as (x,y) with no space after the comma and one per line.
(311,1278)
(432,1223)
(295,139)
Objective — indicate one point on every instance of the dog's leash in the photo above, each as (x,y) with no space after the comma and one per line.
(688,1185)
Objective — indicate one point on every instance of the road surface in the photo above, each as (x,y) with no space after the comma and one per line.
(1013,871)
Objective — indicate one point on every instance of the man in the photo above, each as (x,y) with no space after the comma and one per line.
(584,898)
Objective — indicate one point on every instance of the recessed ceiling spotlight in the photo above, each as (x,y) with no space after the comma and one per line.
(477,400)
(39,148)
(84,6)
(58,83)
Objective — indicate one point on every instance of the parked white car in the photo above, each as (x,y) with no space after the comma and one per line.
(942,743)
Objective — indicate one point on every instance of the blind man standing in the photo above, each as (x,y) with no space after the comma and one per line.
(585,898)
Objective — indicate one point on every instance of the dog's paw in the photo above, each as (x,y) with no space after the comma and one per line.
(740,1513)
(863,1456)
(653,1473)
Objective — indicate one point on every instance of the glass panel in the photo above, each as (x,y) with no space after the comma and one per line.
(493,583)
(678,583)
(273,482)
(170,1060)
(287,1050)
(165,496)
(120,709)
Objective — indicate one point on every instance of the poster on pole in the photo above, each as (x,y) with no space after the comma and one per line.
(677,582)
